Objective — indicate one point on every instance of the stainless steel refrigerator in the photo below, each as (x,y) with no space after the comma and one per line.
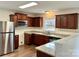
(6,37)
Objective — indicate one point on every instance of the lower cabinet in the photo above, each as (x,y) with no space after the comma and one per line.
(35,39)
(40,39)
(27,38)
(42,54)
(16,42)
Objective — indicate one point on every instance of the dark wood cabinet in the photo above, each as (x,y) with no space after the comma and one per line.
(38,21)
(42,54)
(16,42)
(31,21)
(40,39)
(72,21)
(24,17)
(67,21)
(35,39)
(13,18)
(27,38)
(35,22)
(58,21)
(63,21)
(19,16)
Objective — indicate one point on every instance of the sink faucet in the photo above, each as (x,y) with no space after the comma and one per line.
(48,32)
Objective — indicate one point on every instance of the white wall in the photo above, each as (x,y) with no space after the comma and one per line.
(4,15)
(67,11)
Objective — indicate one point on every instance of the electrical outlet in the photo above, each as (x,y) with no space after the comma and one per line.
(21,42)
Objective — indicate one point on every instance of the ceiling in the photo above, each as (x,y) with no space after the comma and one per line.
(41,7)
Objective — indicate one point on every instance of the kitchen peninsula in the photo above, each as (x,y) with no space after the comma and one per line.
(61,48)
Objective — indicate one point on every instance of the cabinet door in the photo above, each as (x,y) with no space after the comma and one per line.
(58,21)
(72,21)
(40,39)
(13,18)
(42,54)
(16,42)
(41,21)
(19,16)
(64,21)
(30,22)
(27,38)
(24,17)
(36,22)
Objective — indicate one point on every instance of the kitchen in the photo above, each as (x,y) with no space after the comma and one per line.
(46,30)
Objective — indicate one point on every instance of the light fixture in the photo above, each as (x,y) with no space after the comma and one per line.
(49,14)
(28,5)
(46,12)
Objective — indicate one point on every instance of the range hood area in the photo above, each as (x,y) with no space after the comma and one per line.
(22,23)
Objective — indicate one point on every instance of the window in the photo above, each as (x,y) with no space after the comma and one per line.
(49,25)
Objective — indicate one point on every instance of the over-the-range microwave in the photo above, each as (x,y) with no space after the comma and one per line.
(22,23)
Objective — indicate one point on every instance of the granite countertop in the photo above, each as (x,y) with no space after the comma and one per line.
(68,47)
(65,47)
(48,48)
(42,30)
(61,33)
(51,35)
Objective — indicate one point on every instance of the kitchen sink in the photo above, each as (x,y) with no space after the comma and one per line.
(53,38)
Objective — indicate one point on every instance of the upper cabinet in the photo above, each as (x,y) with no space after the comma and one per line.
(35,22)
(58,21)
(38,21)
(31,21)
(63,21)
(67,21)
(13,18)
(73,21)
(21,16)
(24,17)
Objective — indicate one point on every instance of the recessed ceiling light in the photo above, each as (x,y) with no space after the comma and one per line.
(28,5)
